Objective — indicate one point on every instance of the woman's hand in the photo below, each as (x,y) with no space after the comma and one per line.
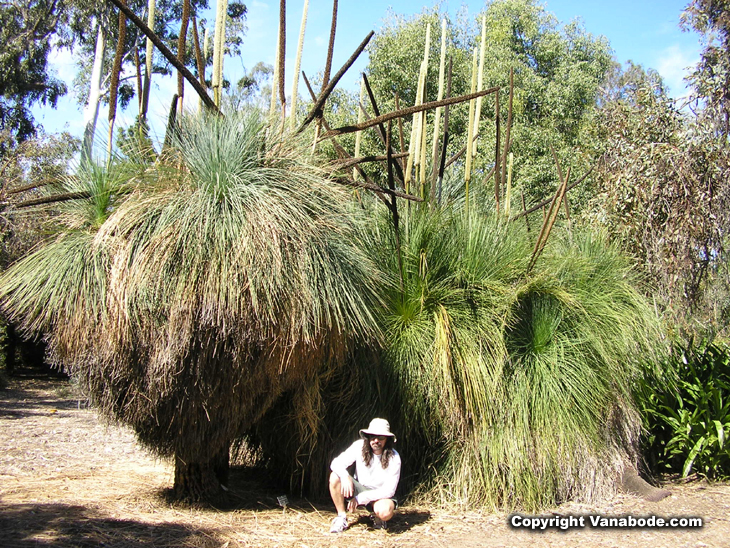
(348,488)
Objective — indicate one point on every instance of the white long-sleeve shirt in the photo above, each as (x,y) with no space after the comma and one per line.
(380,483)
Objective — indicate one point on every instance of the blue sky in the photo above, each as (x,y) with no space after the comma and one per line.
(644,31)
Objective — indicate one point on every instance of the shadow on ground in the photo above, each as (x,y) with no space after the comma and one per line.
(32,393)
(403,520)
(254,490)
(71,522)
(62,525)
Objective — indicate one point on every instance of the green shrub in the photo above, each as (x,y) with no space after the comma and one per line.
(687,413)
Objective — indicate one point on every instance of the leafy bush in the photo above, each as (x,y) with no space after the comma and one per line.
(687,414)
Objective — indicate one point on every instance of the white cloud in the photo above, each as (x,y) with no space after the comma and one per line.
(61,61)
(674,64)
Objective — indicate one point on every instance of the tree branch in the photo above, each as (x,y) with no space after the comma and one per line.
(324,95)
(546,202)
(168,55)
(55,198)
(349,162)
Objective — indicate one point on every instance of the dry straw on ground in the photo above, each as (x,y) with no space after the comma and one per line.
(67,480)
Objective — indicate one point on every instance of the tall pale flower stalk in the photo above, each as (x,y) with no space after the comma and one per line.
(470,131)
(149,52)
(297,67)
(219,43)
(480,81)
(437,115)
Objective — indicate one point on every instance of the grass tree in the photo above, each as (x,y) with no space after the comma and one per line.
(232,279)
(60,288)
(507,388)
(529,376)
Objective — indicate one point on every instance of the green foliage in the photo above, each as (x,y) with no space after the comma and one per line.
(168,15)
(81,32)
(557,74)
(39,161)
(135,143)
(26,32)
(661,190)
(28,172)
(711,77)
(189,307)
(63,282)
(528,376)
(687,412)
(253,88)
(36,288)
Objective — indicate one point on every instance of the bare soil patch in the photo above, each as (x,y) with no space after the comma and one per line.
(69,480)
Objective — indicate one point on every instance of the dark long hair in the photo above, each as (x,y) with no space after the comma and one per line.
(367,451)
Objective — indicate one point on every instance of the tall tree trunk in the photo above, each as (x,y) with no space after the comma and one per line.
(202,481)
(91,112)
(116,70)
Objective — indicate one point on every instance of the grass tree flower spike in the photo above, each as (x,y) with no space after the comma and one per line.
(480,80)
(442,77)
(470,132)
(297,66)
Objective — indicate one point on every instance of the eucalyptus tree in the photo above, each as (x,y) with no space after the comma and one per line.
(711,77)
(661,190)
(558,71)
(27,29)
(94,26)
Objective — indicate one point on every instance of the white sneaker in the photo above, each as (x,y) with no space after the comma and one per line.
(339,524)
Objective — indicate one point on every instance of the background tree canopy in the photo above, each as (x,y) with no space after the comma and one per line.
(558,71)
(662,186)
(27,31)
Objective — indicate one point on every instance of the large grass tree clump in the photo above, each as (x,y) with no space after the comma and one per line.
(521,379)
(507,387)
(232,279)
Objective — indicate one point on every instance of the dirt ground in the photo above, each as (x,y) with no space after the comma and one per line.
(68,480)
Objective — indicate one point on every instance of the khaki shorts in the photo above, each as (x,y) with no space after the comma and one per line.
(359,488)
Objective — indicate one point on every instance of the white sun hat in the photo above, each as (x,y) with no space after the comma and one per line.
(378,427)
